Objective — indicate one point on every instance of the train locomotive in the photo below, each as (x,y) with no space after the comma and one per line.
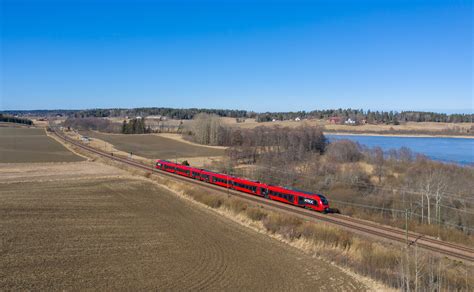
(295,197)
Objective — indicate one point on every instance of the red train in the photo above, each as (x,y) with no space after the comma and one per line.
(299,198)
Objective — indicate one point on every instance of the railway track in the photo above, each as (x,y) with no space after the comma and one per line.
(451,250)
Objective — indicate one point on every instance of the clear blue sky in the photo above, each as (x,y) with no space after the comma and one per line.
(254,55)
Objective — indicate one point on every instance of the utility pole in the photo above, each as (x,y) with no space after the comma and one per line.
(406,226)
(407,271)
(228,186)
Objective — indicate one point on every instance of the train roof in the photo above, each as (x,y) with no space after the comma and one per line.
(247,179)
(300,191)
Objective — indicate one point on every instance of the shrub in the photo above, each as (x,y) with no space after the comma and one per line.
(284,225)
(236,205)
(326,235)
(211,201)
(256,214)
(344,151)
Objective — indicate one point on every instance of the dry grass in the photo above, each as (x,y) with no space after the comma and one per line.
(428,127)
(361,254)
(120,233)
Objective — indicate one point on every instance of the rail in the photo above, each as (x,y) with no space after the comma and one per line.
(452,250)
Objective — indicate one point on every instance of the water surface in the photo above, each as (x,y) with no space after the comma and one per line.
(459,150)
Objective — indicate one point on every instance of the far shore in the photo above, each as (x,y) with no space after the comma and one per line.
(398,135)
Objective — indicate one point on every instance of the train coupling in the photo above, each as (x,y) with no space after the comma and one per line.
(331,211)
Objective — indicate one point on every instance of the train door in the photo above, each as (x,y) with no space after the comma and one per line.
(301,201)
(264,192)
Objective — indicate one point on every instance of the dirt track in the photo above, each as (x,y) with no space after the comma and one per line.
(19,144)
(123,233)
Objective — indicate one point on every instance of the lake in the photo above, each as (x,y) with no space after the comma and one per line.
(459,150)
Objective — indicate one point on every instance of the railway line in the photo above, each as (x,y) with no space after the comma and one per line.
(451,250)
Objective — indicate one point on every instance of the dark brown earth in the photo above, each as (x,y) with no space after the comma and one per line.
(110,233)
(153,146)
(20,144)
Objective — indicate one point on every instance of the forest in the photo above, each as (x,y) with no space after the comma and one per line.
(369,116)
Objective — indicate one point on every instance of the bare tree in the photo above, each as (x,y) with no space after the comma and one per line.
(205,128)
(379,162)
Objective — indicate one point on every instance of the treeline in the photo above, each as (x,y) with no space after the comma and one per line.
(374,117)
(92,123)
(10,119)
(135,126)
(388,117)
(172,113)
(209,130)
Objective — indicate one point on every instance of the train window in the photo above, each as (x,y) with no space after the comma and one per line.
(307,201)
(291,198)
(323,199)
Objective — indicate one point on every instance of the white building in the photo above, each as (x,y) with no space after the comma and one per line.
(349,122)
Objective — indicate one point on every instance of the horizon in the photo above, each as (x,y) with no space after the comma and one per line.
(460,112)
(259,56)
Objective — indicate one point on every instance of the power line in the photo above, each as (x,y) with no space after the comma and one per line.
(392,200)
(367,185)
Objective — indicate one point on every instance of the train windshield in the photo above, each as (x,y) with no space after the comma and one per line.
(323,199)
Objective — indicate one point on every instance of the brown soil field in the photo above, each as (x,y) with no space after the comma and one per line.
(125,233)
(20,144)
(155,146)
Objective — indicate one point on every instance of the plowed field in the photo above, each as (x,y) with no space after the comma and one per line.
(19,144)
(153,146)
(104,230)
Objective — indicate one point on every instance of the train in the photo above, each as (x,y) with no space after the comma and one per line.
(307,200)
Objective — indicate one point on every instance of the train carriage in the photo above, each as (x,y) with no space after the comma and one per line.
(300,198)
(166,165)
(295,197)
(247,186)
(219,179)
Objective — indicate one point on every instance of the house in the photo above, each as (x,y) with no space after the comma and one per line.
(334,120)
(349,121)
(298,119)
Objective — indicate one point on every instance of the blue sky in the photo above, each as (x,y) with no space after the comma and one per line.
(254,55)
